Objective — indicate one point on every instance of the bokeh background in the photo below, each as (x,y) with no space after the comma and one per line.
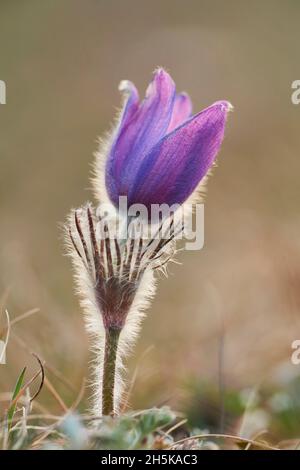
(228,315)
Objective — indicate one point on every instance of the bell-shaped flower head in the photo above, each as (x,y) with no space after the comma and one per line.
(160,152)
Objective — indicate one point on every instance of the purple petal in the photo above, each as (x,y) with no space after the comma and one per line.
(131,104)
(174,167)
(181,112)
(138,133)
(130,107)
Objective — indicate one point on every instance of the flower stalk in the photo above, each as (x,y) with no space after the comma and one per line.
(109,370)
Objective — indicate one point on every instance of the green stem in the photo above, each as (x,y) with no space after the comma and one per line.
(109,370)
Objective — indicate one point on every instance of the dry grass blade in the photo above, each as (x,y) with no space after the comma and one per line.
(57,374)
(226,436)
(176,426)
(44,436)
(23,389)
(42,378)
(24,316)
(55,394)
(260,433)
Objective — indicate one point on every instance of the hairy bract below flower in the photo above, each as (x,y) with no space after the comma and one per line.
(158,154)
(115,281)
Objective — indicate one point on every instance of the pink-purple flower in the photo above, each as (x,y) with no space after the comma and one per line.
(160,151)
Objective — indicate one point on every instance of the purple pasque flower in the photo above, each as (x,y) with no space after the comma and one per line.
(160,151)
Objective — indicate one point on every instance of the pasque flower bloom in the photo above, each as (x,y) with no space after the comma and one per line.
(159,152)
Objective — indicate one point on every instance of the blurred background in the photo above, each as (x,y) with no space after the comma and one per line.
(225,319)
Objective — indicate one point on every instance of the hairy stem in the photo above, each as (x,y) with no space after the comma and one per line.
(109,370)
